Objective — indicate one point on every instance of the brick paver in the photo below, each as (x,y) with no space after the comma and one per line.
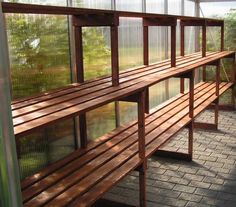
(209,180)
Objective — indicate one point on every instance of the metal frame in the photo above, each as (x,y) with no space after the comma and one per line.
(9,171)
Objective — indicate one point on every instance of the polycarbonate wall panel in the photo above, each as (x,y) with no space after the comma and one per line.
(100,121)
(174,7)
(42,148)
(155,6)
(189,10)
(189,7)
(157,44)
(134,5)
(39,53)
(96,51)
(130,43)
(94,4)
(41,2)
(40,61)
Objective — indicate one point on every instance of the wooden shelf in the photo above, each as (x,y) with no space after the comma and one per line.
(31,114)
(120,147)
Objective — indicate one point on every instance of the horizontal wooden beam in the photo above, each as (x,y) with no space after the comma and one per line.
(60,10)
(207,126)
(173,155)
(202,22)
(168,21)
(83,20)
(223,107)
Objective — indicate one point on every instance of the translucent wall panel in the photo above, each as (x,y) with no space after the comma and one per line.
(189,7)
(174,7)
(124,5)
(39,53)
(154,6)
(95,4)
(97,52)
(157,43)
(42,148)
(42,2)
(221,9)
(127,112)
(130,42)
(157,94)
(40,61)
(101,121)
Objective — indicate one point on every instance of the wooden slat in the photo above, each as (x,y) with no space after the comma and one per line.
(129,139)
(106,98)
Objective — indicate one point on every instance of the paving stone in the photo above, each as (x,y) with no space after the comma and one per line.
(209,180)
(184,188)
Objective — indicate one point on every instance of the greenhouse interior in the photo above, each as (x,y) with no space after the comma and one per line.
(117,103)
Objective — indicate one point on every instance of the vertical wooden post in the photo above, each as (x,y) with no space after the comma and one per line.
(191,114)
(233,72)
(115,55)
(182,54)
(173,46)
(79,54)
(147,101)
(217,93)
(80,79)
(204,40)
(222,37)
(141,147)
(182,35)
(145,46)
(204,73)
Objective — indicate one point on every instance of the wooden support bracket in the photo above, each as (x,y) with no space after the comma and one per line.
(173,155)
(95,20)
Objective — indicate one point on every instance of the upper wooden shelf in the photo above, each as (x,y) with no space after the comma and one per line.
(59,10)
(33,113)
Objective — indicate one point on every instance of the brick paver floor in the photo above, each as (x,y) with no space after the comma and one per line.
(209,180)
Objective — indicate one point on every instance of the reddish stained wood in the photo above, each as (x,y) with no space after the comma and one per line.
(79,54)
(182,35)
(167,21)
(141,125)
(142,185)
(145,46)
(222,38)
(173,46)
(173,155)
(119,94)
(204,41)
(97,20)
(207,126)
(156,132)
(114,55)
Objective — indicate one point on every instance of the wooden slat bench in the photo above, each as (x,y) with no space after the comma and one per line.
(31,114)
(85,175)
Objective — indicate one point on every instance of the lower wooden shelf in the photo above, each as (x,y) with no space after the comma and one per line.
(84,176)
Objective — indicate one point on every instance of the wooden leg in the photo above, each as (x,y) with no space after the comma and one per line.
(142,185)
(190,140)
(83,130)
(147,101)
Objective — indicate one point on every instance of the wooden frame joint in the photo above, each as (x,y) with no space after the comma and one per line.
(95,20)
